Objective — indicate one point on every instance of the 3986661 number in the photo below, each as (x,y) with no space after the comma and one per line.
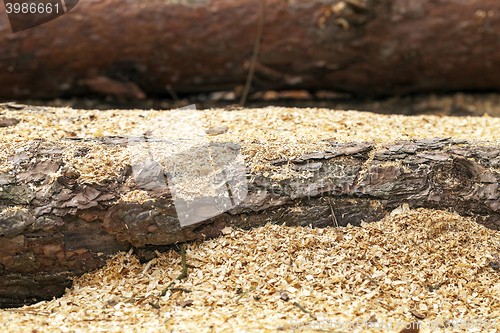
(31,8)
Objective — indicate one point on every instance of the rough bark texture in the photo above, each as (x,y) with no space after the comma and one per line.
(365,47)
(62,228)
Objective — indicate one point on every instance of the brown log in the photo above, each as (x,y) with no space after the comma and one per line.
(362,47)
(54,229)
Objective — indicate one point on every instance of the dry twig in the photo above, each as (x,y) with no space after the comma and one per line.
(305,311)
(181,289)
(333,214)
(367,276)
(181,276)
(243,294)
(255,54)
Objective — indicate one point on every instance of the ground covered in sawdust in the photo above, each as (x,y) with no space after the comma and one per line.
(263,134)
(414,265)
(425,265)
(456,104)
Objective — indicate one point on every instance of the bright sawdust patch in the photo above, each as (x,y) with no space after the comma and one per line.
(434,263)
(263,134)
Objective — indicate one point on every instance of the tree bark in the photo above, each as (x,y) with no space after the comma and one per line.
(54,229)
(131,49)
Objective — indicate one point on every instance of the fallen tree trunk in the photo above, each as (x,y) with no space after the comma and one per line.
(131,49)
(54,225)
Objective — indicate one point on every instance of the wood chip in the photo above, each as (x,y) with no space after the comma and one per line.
(6,122)
(417,315)
(265,135)
(433,248)
(185,303)
(284,296)
(404,253)
(217,130)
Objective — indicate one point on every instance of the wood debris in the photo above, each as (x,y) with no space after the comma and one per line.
(265,135)
(327,280)
(6,122)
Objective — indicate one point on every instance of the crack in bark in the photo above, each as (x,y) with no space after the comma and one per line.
(53,230)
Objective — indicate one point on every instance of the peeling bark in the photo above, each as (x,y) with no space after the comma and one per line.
(372,47)
(51,231)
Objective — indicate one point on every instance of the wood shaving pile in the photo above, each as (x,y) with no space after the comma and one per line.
(426,263)
(263,134)
(413,264)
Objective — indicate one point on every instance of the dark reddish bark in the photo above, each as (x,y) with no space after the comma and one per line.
(363,47)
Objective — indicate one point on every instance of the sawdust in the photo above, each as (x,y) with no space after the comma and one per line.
(414,263)
(425,263)
(263,134)
(135,196)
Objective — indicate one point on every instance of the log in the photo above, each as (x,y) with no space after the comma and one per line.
(55,224)
(131,49)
